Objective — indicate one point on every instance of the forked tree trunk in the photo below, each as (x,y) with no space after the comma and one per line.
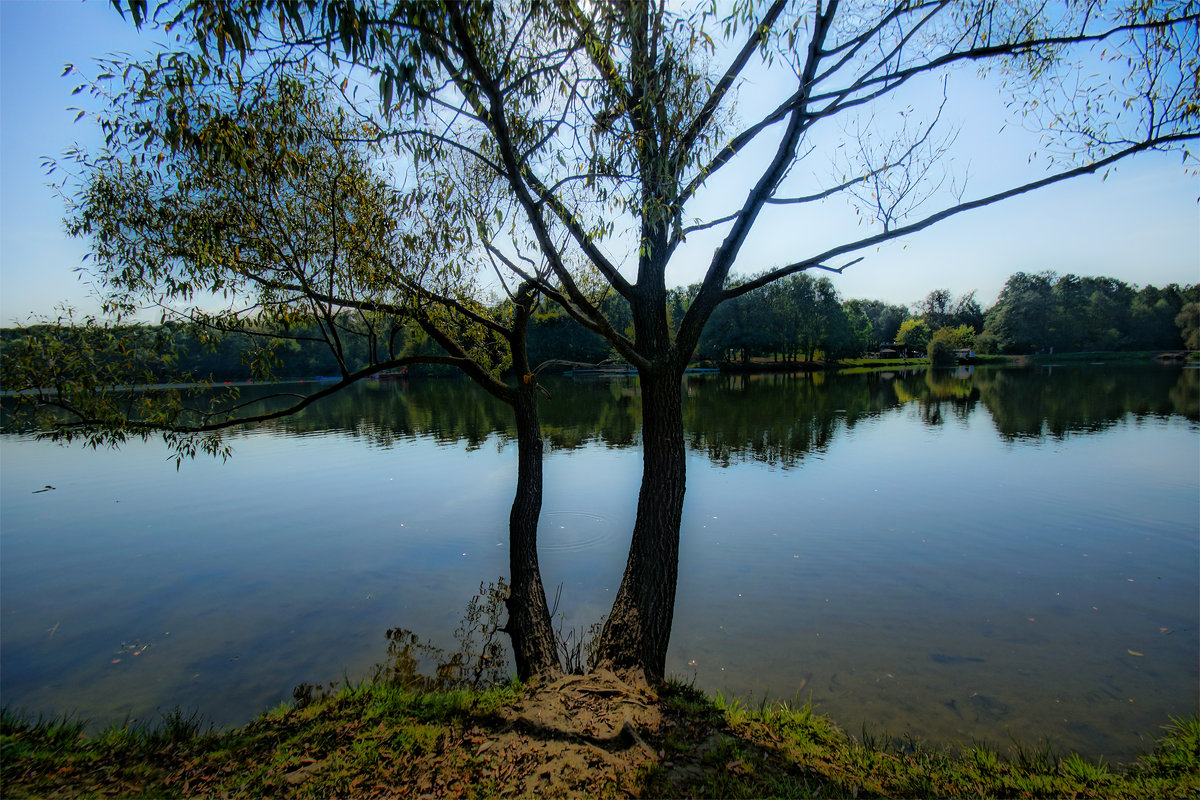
(638,629)
(529,625)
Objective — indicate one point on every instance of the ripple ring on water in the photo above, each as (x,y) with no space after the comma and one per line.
(573,531)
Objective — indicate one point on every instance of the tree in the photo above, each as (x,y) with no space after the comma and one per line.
(935,309)
(626,107)
(1152,318)
(967,312)
(270,200)
(748,327)
(860,332)
(824,323)
(960,338)
(939,310)
(1021,319)
(944,341)
(913,334)
(1092,313)
(885,320)
(1072,313)
(794,306)
(1188,321)
(941,350)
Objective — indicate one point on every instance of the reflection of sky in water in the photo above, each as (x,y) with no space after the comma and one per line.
(978,592)
(936,579)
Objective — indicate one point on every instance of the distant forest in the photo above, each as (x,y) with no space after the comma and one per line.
(800,319)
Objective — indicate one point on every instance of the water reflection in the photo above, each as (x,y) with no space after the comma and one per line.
(961,564)
(775,419)
(1058,401)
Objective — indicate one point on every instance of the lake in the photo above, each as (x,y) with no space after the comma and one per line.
(954,555)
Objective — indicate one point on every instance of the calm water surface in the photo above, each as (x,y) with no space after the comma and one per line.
(1006,553)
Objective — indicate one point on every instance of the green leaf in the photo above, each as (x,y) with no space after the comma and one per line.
(385,88)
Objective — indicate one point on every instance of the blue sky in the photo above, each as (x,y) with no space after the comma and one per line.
(1141,224)
(37,259)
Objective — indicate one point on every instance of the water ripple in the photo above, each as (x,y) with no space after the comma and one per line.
(574,531)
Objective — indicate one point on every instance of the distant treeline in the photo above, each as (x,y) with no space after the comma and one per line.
(804,318)
(801,318)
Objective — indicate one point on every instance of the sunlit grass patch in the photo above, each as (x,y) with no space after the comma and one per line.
(780,750)
(1178,751)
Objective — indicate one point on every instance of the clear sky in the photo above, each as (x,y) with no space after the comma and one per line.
(1141,225)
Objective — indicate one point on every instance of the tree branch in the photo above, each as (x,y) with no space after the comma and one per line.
(710,293)
(149,427)
(517,175)
(688,137)
(895,233)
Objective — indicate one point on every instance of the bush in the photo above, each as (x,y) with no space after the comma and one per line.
(941,352)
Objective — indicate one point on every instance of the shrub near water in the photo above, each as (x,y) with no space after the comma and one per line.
(941,353)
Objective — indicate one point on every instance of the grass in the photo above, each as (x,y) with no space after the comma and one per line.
(854,365)
(849,363)
(1121,356)
(374,739)
(361,733)
(1105,356)
(792,752)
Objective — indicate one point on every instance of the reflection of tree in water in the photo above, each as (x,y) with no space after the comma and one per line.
(447,409)
(776,419)
(780,419)
(452,410)
(1061,400)
(1185,394)
(943,393)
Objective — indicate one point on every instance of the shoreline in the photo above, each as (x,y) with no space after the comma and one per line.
(595,735)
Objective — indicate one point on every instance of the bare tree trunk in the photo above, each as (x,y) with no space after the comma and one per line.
(529,625)
(638,629)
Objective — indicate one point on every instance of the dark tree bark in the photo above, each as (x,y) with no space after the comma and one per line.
(529,625)
(638,629)
(535,647)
